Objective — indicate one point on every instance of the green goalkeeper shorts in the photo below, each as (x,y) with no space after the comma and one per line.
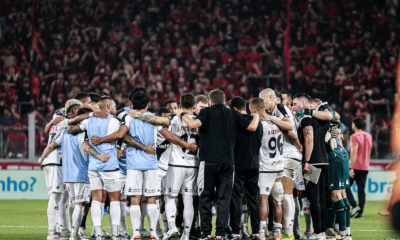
(338,170)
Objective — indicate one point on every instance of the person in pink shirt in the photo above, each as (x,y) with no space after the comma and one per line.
(361,145)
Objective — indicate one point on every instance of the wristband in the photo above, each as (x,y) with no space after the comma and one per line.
(91,114)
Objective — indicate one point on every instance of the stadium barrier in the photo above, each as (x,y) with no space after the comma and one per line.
(30,184)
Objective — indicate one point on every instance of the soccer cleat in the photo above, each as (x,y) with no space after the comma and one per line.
(154,236)
(208,237)
(64,233)
(218,238)
(245,234)
(171,233)
(74,238)
(360,215)
(52,236)
(286,237)
(185,236)
(354,211)
(234,236)
(331,234)
(254,237)
(124,235)
(136,237)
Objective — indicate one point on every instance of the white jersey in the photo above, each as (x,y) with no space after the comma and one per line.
(182,156)
(289,149)
(163,148)
(271,151)
(54,158)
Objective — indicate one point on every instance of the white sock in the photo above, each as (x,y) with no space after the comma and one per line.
(263,226)
(188,213)
(95,210)
(77,219)
(62,211)
(277,229)
(52,211)
(115,213)
(165,222)
(288,213)
(153,212)
(71,207)
(348,231)
(123,215)
(170,211)
(143,206)
(135,219)
(102,210)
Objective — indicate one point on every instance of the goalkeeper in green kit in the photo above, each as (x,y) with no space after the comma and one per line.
(338,170)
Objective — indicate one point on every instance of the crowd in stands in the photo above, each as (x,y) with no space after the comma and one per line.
(343,51)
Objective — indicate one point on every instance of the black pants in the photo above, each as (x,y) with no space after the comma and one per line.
(219,176)
(245,181)
(316,195)
(360,177)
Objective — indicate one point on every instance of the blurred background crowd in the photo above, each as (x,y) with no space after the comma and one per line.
(344,52)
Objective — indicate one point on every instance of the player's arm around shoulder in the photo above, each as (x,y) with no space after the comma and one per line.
(254,123)
(92,152)
(149,118)
(119,130)
(191,122)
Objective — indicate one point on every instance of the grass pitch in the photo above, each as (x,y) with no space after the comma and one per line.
(27,219)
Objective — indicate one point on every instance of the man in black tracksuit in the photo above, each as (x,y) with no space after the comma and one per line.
(311,134)
(247,149)
(218,127)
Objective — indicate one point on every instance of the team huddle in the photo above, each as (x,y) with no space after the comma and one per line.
(201,154)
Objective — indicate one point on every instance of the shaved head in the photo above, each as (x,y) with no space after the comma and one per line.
(107,104)
(269,97)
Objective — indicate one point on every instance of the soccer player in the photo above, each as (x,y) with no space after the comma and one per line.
(271,169)
(141,166)
(75,171)
(218,127)
(247,151)
(103,175)
(53,171)
(182,167)
(312,135)
(85,99)
(172,105)
(51,162)
(283,118)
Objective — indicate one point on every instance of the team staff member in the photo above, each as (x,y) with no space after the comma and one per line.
(247,149)
(361,145)
(218,127)
(312,136)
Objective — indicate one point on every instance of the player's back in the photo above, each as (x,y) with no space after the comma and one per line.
(182,156)
(54,158)
(271,151)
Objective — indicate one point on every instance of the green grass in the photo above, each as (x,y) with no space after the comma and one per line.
(27,219)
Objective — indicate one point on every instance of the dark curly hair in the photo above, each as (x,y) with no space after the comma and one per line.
(140,99)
